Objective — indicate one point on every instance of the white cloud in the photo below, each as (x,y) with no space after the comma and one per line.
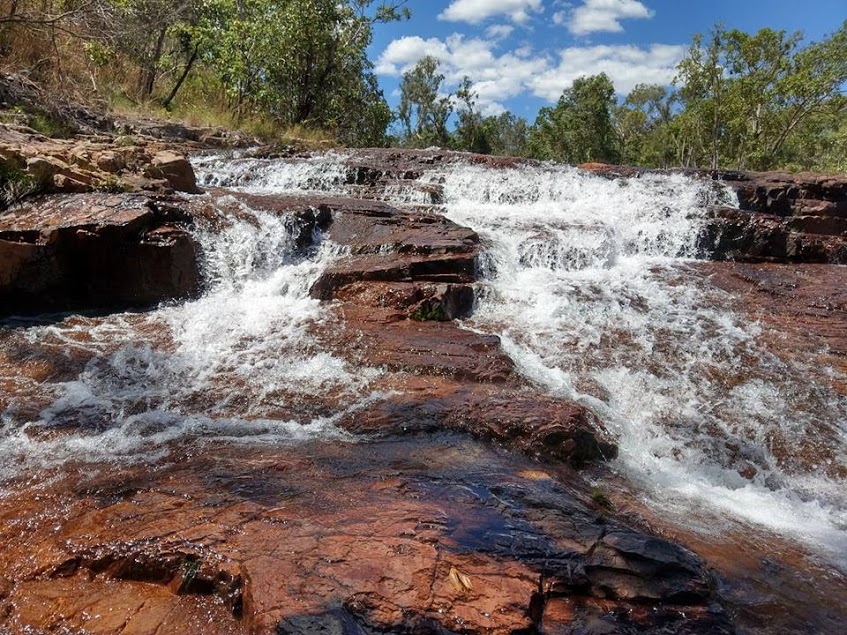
(495,77)
(498,77)
(602,16)
(625,65)
(476,11)
(402,54)
(499,31)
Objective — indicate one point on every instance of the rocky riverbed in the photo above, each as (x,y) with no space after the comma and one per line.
(280,402)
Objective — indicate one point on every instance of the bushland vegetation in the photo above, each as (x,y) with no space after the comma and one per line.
(746,101)
(739,100)
(264,65)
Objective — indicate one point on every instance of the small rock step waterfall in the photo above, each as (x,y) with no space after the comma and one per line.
(598,289)
(592,286)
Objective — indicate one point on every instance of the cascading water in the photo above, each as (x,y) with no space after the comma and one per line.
(319,173)
(588,287)
(589,283)
(239,364)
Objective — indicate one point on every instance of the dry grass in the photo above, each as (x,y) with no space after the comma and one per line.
(69,69)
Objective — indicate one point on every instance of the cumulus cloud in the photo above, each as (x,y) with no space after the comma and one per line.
(499,31)
(476,11)
(499,76)
(496,77)
(625,65)
(595,16)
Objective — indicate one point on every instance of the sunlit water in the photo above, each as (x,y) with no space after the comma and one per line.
(239,364)
(585,280)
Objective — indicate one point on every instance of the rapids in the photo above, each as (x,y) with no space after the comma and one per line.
(590,283)
(237,365)
(592,286)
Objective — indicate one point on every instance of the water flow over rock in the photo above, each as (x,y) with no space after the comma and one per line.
(588,288)
(238,363)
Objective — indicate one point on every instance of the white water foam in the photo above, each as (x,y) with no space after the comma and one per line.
(240,363)
(587,287)
(326,172)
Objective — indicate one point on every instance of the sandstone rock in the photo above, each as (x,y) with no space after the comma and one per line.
(174,168)
(110,161)
(44,168)
(144,550)
(12,157)
(755,237)
(802,310)
(94,251)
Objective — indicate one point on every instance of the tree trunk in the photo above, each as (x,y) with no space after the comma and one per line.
(149,75)
(167,102)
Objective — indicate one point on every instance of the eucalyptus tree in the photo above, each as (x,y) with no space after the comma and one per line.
(579,128)
(424,110)
(643,126)
(506,134)
(745,96)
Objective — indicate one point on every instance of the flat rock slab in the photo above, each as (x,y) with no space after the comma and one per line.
(803,308)
(412,536)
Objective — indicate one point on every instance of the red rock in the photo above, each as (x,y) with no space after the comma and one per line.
(174,168)
(802,309)
(94,251)
(141,549)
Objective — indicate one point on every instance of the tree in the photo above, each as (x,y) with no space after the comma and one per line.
(745,96)
(301,62)
(703,87)
(470,134)
(579,128)
(642,123)
(506,134)
(424,111)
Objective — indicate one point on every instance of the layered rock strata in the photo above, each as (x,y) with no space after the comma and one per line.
(95,251)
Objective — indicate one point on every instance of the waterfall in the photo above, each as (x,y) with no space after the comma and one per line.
(319,173)
(591,284)
(588,283)
(240,364)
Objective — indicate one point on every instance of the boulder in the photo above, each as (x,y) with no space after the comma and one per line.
(174,168)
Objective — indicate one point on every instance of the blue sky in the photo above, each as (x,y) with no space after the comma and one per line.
(521,54)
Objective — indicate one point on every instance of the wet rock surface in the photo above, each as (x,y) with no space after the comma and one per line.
(802,306)
(432,534)
(95,251)
(407,274)
(781,216)
(450,504)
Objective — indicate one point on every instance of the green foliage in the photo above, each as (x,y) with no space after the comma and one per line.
(506,134)
(299,62)
(469,134)
(48,125)
(113,185)
(430,312)
(424,111)
(746,98)
(579,128)
(16,184)
(601,499)
(643,126)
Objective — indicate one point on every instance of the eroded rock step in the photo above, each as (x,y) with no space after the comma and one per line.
(95,251)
